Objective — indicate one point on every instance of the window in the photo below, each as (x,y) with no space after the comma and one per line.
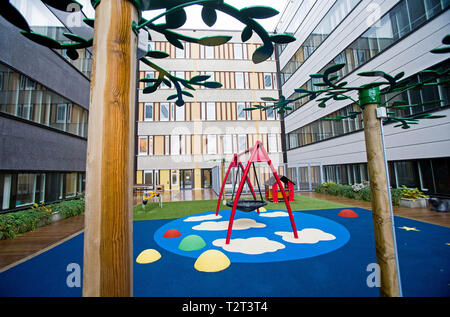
(174,177)
(211,144)
(242,143)
(5,190)
(274,75)
(148,178)
(150,145)
(207,52)
(270,112)
(211,111)
(174,145)
(272,140)
(179,74)
(237,48)
(179,53)
(227,145)
(61,113)
(71,185)
(240,80)
(148,112)
(241,113)
(172,112)
(26,187)
(142,145)
(164,112)
(166,144)
(183,144)
(149,75)
(268,81)
(180,113)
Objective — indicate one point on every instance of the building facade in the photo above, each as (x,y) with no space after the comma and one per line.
(390,36)
(44,101)
(177,147)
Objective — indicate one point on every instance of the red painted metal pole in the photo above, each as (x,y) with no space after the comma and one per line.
(223,187)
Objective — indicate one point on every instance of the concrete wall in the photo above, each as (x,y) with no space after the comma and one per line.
(29,147)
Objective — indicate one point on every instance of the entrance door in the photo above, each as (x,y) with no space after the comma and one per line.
(187,179)
(206,178)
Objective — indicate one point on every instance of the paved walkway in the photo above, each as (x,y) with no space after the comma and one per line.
(29,244)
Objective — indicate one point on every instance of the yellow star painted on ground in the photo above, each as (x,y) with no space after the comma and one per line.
(408,228)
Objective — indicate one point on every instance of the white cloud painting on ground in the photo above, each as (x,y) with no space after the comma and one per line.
(308,236)
(274,214)
(238,224)
(252,246)
(201,218)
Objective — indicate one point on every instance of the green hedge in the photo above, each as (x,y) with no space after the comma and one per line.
(348,192)
(14,223)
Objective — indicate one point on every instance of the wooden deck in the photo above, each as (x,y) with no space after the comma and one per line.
(420,214)
(30,244)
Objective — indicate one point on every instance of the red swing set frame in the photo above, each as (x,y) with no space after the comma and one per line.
(258,155)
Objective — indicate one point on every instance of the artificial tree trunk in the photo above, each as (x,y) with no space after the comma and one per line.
(109,167)
(384,239)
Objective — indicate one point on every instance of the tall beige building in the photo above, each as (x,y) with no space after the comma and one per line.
(178,146)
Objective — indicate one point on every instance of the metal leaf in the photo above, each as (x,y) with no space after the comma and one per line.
(157,54)
(176,19)
(89,22)
(246,34)
(282,38)
(262,53)
(42,39)
(212,84)
(199,78)
(171,37)
(333,68)
(259,12)
(209,15)
(63,5)
(214,40)
(10,13)
(73,54)
(74,37)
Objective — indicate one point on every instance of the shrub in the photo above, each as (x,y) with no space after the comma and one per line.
(14,223)
(362,192)
(411,193)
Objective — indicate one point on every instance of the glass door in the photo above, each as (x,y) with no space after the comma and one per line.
(186,179)
(206,178)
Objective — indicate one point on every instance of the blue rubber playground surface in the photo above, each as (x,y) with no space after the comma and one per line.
(333,258)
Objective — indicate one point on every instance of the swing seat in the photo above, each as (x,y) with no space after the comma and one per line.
(247,205)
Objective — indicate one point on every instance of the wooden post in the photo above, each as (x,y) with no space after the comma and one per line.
(109,167)
(384,240)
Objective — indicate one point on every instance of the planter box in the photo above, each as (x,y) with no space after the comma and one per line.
(418,203)
(56,216)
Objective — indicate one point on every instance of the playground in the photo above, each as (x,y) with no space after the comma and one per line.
(296,247)
(323,267)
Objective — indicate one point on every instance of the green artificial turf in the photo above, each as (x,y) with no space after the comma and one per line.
(178,209)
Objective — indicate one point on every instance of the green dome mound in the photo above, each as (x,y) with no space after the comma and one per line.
(191,243)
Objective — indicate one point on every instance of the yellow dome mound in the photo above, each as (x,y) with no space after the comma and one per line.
(262,209)
(148,256)
(212,261)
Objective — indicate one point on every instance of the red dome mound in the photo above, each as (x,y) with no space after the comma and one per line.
(347,213)
(172,233)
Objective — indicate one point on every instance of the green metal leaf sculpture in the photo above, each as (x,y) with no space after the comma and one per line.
(175,17)
(393,86)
